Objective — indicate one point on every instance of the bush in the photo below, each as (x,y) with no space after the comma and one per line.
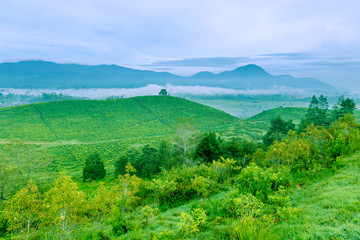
(242,205)
(192,223)
(121,226)
(262,182)
(177,186)
(279,205)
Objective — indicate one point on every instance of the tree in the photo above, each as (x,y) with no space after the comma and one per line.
(278,130)
(343,107)
(185,139)
(209,148)
(64,205)
(239,149)
(103,203)
(127,188)
(120,165)
(148,164)
(164,154)
(23,211)
(317,113)
(94,168)
(163,92)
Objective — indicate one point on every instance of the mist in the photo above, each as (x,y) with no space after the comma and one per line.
(152,89)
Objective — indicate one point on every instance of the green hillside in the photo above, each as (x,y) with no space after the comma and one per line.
(287,113)
(328,208)
(71,130)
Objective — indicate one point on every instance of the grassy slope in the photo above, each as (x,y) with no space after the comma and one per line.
(70,130)
(329,208)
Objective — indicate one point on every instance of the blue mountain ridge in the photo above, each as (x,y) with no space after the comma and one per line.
(44,74)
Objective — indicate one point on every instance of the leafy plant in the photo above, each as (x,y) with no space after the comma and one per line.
(193,222)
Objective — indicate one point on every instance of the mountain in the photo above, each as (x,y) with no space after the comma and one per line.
(42,74)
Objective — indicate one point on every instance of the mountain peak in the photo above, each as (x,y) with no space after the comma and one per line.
(250,70)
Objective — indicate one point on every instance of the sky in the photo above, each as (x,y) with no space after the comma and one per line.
(303,38)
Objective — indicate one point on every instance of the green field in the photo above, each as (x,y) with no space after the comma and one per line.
(71,130)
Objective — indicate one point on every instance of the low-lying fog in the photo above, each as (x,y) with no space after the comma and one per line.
(151,89)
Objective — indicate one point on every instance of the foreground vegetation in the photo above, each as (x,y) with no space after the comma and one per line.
(199,185)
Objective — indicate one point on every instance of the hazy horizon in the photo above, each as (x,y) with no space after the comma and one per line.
(301,38)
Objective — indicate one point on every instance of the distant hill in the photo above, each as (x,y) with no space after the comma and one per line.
(287,113)
(42,74)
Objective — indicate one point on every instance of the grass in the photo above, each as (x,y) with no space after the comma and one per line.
(328,208)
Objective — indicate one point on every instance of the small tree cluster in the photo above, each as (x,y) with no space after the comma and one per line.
(278,130)
(94,168)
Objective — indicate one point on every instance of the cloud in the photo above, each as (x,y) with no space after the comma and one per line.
(204,62)
(139,32)
(183,36)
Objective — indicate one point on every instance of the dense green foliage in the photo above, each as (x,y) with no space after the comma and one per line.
(208,148)
(278,130)
(94,168)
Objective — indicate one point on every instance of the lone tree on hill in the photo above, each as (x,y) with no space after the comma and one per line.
(94,168)
(163,92)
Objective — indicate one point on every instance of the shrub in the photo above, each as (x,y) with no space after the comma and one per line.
(242,205)
(262,182)
(177,186)
(147,213)
(225,168)
(279,205)
(192,223)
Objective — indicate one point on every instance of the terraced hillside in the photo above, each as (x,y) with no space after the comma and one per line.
(70,130)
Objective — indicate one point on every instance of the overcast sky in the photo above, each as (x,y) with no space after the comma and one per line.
(301,37)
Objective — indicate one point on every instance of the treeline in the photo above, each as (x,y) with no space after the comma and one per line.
(240,189)
(12,99)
